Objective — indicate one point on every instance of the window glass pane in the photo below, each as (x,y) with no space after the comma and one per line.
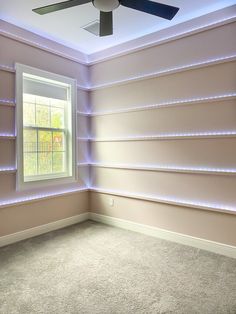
(29,114)
(58,103)
(57,118)
(42,116)
(45,141)
(44,163)
(42,100)
(47,126)
(58,162)
(30,140)
(58,141)
(30,164)
(29,98)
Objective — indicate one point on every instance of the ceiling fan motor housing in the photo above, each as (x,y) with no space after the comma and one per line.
(106,5)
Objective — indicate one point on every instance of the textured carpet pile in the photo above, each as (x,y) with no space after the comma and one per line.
(92,268)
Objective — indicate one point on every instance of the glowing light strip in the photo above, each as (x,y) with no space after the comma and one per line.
(166,72)
(169,200)
(7,68)
(82,164)
(82,113)
(171,103)
(86,88)
(7,136)
(7,169)
(7,102)
(164,39)
(41,46)
(31,198)
(210,134)
(167,168)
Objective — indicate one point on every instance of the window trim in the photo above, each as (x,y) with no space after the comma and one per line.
(52,179)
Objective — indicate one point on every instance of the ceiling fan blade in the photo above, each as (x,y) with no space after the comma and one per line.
(59,6)
(106,23)
(162,10)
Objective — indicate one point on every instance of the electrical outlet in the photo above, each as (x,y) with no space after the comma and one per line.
(111,202)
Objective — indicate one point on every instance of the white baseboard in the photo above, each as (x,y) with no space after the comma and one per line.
(215,247)
(32,232)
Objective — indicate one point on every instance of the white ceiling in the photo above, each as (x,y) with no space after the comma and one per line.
(65,26)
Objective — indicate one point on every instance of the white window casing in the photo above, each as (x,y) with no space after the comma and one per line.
(40,84)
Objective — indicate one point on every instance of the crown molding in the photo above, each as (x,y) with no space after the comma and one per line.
(188,28)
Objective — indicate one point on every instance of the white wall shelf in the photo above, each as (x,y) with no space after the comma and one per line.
(170,201)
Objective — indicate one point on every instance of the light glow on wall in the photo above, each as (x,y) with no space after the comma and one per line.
(170,103)
(7,135)
(7,68)
(7,169)
(166,71)
(7,101)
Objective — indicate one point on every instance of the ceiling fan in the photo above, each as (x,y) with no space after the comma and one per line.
(107,6)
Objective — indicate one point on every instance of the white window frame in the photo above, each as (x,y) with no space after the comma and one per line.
(51,179)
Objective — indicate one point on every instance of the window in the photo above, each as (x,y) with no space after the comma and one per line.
(46,118)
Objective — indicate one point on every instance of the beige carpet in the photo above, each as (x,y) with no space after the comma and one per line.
(92,268)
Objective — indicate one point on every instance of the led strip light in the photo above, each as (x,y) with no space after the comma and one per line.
(6,68)
(148,167)
(169,200)
(86,88)
(7,170)
(166,168)
(166,72)
(7,102)
(7,136)
(165,136)
(82,113)
(171,103)
(83,164)
(31,198)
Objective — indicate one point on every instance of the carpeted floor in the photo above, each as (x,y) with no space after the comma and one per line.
(93,268)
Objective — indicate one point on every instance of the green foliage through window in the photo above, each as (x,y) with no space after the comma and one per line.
(44,135)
